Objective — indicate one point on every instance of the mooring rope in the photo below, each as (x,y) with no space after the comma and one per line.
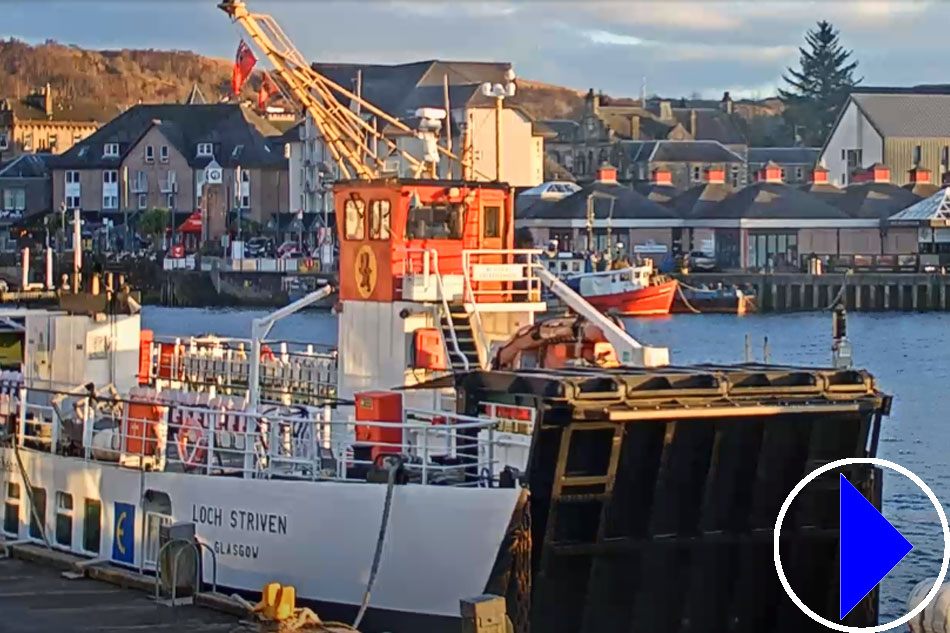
(383,526)
(685,301)
(844,286)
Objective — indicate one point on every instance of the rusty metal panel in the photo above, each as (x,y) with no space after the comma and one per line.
(664,522)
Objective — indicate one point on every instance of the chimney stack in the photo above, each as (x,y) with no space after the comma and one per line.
(635,127)
(716,175)
(772,172)
(692,124)
(48,100)
(879,172)
(726,103)
(919,175)
(666,111)
(606,173)
(662,176)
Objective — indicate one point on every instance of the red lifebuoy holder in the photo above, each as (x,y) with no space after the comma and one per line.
(191,442)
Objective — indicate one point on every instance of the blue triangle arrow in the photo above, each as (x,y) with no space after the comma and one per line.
(870,547)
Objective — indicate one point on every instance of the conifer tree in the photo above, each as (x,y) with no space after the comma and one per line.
(817,90)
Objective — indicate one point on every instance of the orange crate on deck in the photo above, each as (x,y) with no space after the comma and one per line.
(378,406)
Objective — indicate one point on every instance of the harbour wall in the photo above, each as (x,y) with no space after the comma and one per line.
(860,292)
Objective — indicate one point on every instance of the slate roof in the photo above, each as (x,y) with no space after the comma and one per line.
(80,110)
(661,194)
(565,129)
(391,87)
(874,200)
(712,124)
(784,155)
(771,201)
(620,120)
(698,201)
(628,205)
(824,191)
(679,151)
(225,125)
(906,115)
(26,166)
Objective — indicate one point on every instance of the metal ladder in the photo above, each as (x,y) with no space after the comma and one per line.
(457,326)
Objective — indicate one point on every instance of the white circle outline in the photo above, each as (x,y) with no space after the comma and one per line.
(847,462)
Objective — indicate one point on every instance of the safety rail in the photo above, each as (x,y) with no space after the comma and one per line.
(195,434)
(431,269)
(290,372)
(510,272)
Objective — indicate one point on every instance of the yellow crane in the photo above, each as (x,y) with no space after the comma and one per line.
(353,142)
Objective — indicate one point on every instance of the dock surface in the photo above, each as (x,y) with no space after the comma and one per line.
(35,598)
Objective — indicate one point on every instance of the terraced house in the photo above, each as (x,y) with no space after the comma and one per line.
(606,125)
(159,156)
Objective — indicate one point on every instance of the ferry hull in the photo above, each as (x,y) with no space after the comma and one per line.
(320,537)
(649,301)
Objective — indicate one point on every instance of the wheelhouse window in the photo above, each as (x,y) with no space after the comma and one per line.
(11,509)
(355,219)
(491,222)
(380,220)
(91,525)
(437,221)
(39,509)
(64,519)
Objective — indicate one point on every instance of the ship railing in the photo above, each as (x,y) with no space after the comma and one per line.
(291,372)
(497,276)
(278,442)
(425,263)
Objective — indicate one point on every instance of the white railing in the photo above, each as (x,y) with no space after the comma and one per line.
(502,281)
(177,432)
(430,269)
(290,372)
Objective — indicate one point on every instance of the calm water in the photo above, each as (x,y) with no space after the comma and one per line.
(908,354)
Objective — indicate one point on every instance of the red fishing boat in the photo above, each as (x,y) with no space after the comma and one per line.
(632,290)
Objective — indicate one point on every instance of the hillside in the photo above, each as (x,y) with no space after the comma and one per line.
(101,84)
(108,80)
(547,101)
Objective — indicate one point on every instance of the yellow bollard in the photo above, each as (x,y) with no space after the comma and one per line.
(269,597)
(286,602)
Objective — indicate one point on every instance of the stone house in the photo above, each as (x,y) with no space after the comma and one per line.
(160,156)
(39,124)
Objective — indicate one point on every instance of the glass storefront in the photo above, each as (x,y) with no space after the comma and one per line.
(773,251)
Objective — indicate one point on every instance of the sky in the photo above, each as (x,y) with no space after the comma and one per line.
(677,48)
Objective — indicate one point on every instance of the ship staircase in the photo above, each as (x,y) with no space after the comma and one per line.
(459,336)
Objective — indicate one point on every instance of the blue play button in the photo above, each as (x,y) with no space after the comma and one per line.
(870,547)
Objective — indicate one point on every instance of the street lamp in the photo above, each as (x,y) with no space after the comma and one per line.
(499,92)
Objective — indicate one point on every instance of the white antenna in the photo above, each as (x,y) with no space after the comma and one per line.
(643,90)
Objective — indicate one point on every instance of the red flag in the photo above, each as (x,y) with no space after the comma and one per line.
(268,89)
(243,64)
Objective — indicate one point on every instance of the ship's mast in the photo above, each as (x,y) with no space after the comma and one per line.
(352,141)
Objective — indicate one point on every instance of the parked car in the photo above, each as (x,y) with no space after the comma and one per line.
(700,261)
(290,250)
(257,247)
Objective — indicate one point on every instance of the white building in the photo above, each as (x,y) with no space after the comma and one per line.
(900,128)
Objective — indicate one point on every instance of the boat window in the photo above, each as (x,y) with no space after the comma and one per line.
(492,222)
(379,220)
(355,215)
(39,504)
(64,519)
(91,525)
(435,221)
(11,509)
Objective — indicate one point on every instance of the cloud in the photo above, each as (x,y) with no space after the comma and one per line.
(693,16)
(436,9)
(688,52)
(761,91)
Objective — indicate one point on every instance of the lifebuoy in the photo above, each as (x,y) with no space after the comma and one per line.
(191,442)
